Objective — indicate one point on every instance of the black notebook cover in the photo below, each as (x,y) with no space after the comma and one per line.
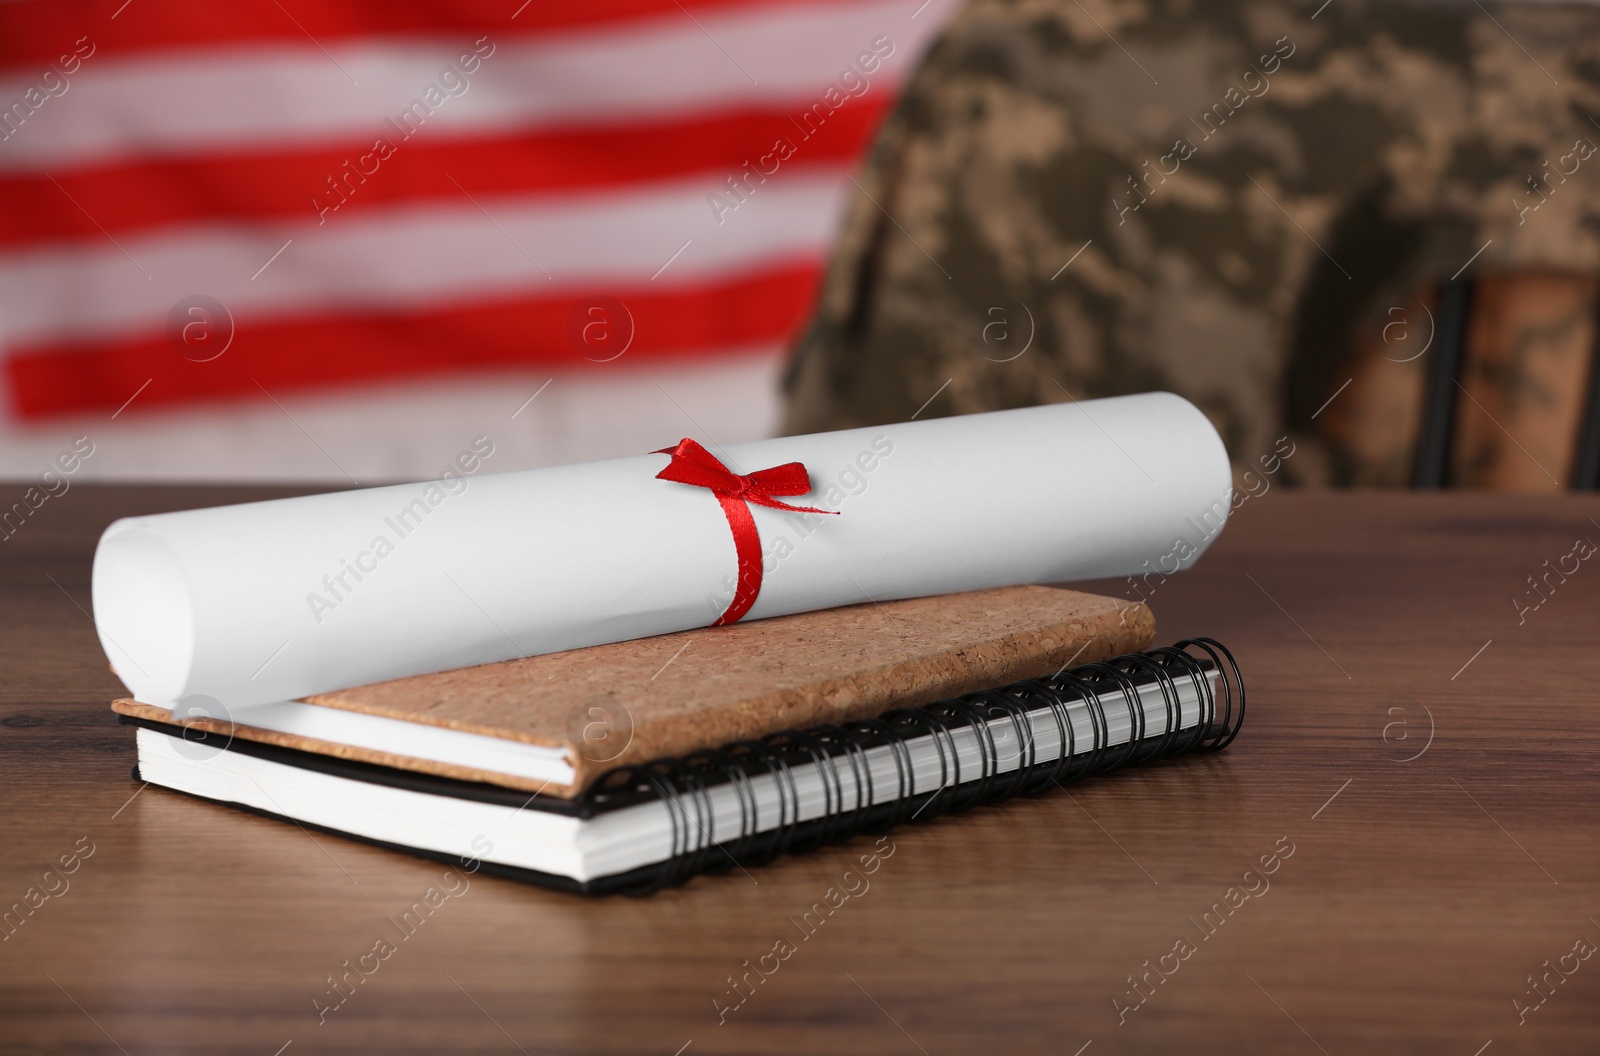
(680,781)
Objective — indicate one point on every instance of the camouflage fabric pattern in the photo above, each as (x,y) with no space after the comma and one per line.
(1215,198)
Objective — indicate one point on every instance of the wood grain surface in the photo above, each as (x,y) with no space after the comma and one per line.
(1420,756)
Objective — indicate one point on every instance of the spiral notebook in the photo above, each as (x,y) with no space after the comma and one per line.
(657,818)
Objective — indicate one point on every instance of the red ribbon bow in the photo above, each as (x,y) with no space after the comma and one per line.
(694,465)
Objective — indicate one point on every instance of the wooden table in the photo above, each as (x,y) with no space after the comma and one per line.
(1426,752)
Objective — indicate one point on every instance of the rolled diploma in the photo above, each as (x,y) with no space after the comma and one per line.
(278,600)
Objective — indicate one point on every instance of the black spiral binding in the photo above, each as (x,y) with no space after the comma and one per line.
(684,785)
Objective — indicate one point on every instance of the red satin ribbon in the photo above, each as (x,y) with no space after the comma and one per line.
(694,465)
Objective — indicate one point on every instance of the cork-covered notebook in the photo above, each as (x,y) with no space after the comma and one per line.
(641,763)
(594,709)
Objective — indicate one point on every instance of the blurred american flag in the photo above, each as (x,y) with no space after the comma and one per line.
(251,203)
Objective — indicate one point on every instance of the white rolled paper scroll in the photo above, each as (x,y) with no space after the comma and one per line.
(278,600)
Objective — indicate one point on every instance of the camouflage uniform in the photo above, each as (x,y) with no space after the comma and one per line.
(1215,198)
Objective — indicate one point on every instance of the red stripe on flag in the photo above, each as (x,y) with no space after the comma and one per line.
(34,33)
(305,353)
(281,185)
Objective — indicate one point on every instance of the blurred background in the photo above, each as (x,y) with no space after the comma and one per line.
(336,242)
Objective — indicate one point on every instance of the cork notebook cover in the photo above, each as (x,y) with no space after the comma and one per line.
(652,698)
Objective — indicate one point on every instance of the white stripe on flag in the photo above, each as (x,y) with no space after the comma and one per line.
(258,97)
(421,255)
